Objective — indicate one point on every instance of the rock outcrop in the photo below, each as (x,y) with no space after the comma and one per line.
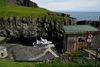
(23,3)
(3,52)
(50,24)
(32,27)
(89,22)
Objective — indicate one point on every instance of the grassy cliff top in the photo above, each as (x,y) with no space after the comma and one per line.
(12,10)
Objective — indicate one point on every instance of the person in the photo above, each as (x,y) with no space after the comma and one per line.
(34,43)
(62,51)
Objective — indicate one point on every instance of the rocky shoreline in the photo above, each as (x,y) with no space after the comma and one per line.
(89,22)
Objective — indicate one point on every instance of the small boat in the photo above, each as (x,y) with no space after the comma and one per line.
(42,42)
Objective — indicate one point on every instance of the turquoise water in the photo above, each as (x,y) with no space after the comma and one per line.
(94,16)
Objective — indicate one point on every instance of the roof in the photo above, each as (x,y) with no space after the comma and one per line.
(35,53)
(79,28)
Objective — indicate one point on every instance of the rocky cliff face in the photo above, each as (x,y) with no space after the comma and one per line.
(48,25)
(87,22)
(23,3)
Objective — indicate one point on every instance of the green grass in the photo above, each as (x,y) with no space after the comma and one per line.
(16,64)
(80,53)
(12,10)
(57,63)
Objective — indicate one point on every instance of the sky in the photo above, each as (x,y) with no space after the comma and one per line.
(70,5)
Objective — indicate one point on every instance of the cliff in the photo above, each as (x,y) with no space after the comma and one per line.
(33,27)
(19,21)
(23,3)
(89,22)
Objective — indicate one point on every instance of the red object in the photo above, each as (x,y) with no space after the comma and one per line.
(35,43)
(90,36)
(62,50)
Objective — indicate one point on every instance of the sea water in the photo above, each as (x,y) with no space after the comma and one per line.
(94,16)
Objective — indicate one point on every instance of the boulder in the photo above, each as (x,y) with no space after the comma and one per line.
(3,52)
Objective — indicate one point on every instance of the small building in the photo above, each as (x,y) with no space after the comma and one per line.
(78,36)
(3,52)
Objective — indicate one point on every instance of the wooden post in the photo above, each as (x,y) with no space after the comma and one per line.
(96,60)
(99,21)
(64,42)
(76,44)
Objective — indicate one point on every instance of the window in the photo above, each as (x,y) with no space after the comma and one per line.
(81,40)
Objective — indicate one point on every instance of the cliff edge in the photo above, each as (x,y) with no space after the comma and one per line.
(23,3)
(20,21)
